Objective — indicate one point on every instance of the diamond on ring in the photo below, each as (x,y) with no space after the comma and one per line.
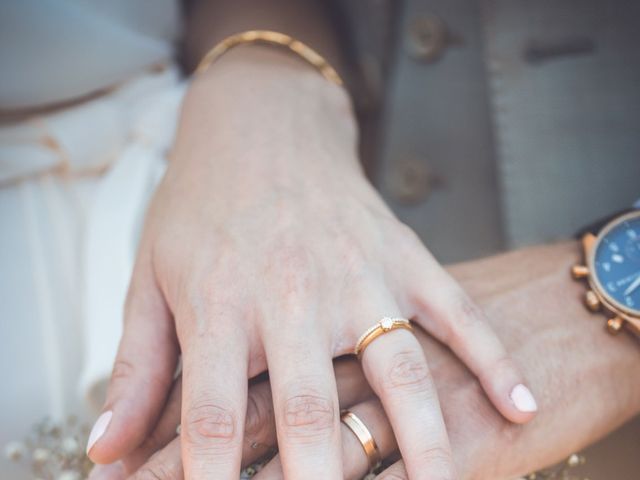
(386,323)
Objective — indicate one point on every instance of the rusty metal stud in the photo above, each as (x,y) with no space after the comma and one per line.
(427,38)
(592,301)
(614,325)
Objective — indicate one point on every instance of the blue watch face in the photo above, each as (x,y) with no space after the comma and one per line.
(617,264)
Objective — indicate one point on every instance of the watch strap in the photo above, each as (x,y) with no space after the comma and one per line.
(595,227)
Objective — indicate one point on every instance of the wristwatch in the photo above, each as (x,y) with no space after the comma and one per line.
(612,270)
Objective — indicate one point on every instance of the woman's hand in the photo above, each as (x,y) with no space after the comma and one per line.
(265,247)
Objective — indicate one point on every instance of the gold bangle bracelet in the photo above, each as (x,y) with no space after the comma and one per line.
(266,37)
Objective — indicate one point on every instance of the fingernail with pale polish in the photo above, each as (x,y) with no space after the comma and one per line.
(98,429)
(114,471)
(523,399)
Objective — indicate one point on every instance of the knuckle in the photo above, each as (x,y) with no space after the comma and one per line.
(438,460)
(467,313)
(206,302)
(462,319)
(126,372)
(290,272)
(503,362)
(353,259)
(122,370)
(290,257)
(209,422)
(407,371)
(309,415)
(210,298)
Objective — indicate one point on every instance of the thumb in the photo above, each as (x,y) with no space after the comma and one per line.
(142,373)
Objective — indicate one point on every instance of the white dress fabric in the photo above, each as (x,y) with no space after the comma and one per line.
(53,51)
(74,185)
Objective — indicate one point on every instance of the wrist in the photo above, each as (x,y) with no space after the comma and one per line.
(260,120)
(267,67)
(585,379)
(272,97)
(265,112)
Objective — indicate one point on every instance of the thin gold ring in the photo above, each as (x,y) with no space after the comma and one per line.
(365,438)
(383,326)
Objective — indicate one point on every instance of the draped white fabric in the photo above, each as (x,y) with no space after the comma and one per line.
(74,186)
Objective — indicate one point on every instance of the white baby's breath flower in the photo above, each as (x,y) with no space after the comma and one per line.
(69,475)
(14,451)
(70,446)
(41,455)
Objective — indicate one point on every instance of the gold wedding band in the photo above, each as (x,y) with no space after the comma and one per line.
(365,438)
(383,326)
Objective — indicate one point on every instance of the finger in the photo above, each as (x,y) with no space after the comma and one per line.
(260,425)
(214,398)
(305,401)
(397,471)
(260,428)
(448,313)
(354,459)
(396,367)
(142,373)
(162,434)
(259,433)
(166,464)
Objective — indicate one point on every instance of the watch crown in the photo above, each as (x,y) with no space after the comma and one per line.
(592,301)
(614,324)
(579,271)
